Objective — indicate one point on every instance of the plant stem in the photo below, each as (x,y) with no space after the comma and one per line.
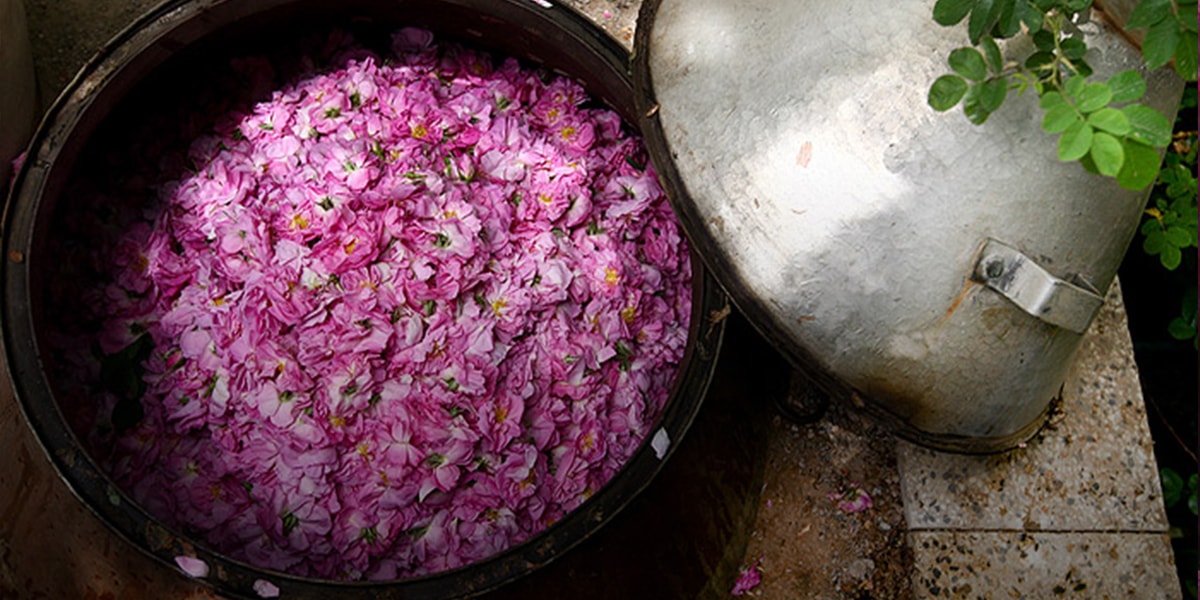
(1166,423)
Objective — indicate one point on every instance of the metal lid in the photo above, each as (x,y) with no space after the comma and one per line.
(937,273)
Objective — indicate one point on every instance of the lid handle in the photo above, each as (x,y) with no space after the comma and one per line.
(1065,304)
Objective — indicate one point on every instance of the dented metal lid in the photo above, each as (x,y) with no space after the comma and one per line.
(937,273)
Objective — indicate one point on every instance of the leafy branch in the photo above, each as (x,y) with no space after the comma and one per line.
(1171,217)
(1100,124)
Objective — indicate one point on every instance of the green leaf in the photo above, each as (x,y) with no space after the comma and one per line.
(1089,165)
(1185,53)
(1127,86)
(1094,97)
(1051,99)
(1154,242)
(121,374)
(1148,126)
(1009,20)
(968,62)
(1141,166)
(1107,154)
(991,50)
(1073,86)
(1170,257)
(1147,13)
(1044,40)
(950,12)
(1160,43)
(1172,486)
(289,522)
(1073,48)
(1082,68)
(983,17)
(992,94)
(1178,237)
(1075,141)
(946,92)
(1111,120)
(1191,501)
(1040,62)
(1059,118)
(973,105)
(1181,329)
(1030,16)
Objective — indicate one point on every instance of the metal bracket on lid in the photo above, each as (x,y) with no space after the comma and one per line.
(1061,303)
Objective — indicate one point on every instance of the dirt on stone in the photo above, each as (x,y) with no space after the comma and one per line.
(811,544)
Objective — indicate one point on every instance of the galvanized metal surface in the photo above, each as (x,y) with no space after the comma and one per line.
(844,215)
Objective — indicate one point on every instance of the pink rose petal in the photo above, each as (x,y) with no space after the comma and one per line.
(192,566)
(748,579)
(265,589)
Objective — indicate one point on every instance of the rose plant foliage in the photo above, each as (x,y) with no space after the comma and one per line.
(402,313)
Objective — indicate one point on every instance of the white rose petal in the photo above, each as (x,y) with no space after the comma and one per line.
(660,443)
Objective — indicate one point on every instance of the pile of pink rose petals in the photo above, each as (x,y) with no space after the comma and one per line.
(402,315)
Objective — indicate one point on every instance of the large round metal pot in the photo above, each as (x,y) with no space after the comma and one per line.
(139,67)
(935,273)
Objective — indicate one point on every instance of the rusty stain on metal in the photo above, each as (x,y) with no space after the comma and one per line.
(857,400)
(962,294)
(716,317)
(67,456)
(157,537)
(16,256)
(805,155)
(802,319)
(719,223)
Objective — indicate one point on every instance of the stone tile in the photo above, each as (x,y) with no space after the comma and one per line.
(618,18)
(1012,564)
(1091,469)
